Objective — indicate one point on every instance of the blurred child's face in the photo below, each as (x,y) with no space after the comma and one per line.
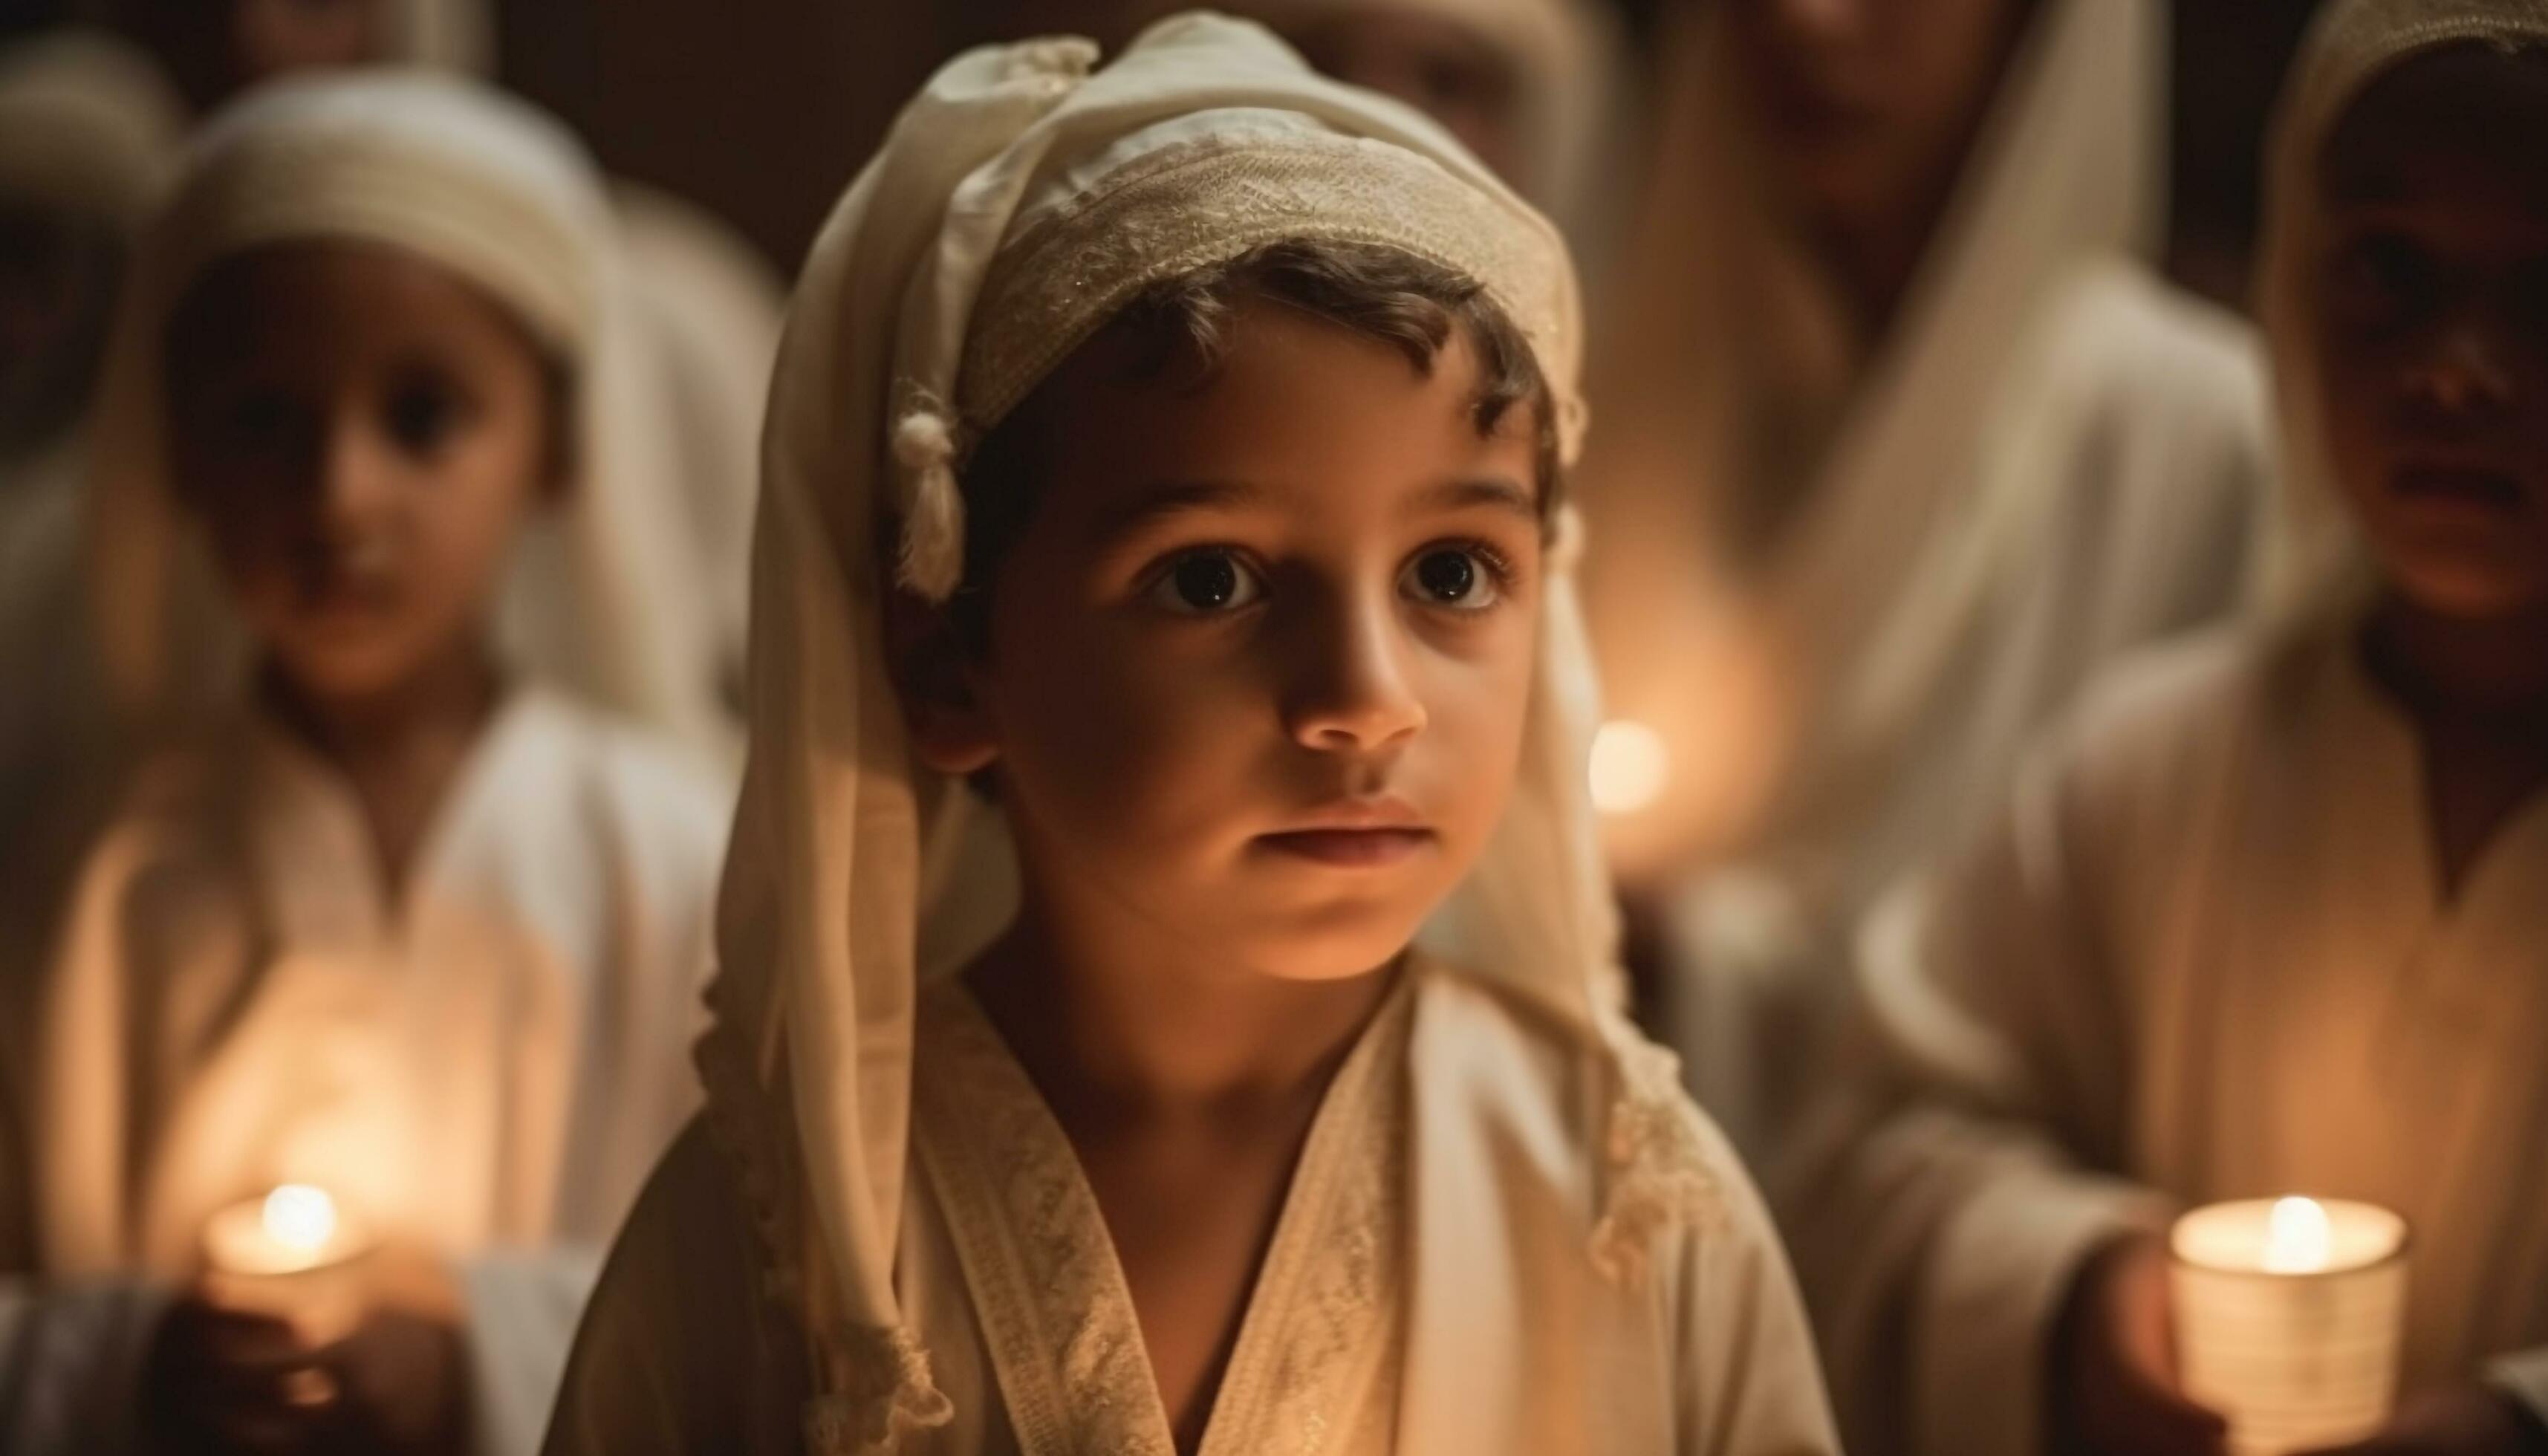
(362,434)
(1258,665)
(217,48)
(2430,302)
(1435,65)
(1866,107)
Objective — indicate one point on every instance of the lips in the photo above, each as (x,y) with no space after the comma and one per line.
(1351,848)
(1355,834)
(2460,488)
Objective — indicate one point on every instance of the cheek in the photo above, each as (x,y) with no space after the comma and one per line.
(1121,733)
(1476,708)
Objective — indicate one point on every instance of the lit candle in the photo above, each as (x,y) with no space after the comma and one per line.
(2289,1313)
(288,1255)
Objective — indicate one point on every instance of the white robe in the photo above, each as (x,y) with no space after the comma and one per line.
(1429,1287)
(1845,577)
(2203,956)
(487,1063)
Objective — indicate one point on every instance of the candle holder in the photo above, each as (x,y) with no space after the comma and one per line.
(2289,1317)
(291,1255)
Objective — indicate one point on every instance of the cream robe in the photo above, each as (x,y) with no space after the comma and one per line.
(487,1063)
(1846,577)
(1428,1288)
(2204,957)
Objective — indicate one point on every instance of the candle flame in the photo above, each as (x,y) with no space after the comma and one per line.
(299,1218)
(1630,766)
(2297,1237)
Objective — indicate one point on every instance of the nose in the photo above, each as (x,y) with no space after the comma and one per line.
(351,482)
(2463,376)
(1350,690)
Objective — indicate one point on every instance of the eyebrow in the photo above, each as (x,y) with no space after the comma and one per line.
(1157,503)
(1497,493)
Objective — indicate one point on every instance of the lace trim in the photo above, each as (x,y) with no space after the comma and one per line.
(1662,1173)
(887,1392)
(1052,287)
(1321,1324)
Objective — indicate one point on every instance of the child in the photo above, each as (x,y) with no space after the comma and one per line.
(405,927)
(2269,919)
(1236,651)
(1902,436)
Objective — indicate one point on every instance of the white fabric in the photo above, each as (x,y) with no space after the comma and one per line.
(485,1059)
(603,597)
(712,311)
(1845,577)
(1426,1290)
(87,126)
(2204,954)
(2204,957)
(1019,202)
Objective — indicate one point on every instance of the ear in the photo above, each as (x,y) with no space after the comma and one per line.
(938,680)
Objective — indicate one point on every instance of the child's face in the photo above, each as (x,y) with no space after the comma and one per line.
(1867,106)
(361,433)
(1258,665)
(2431,303)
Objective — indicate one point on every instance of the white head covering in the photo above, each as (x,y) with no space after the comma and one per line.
(481,185)
(88,127)
(1019,203)
(1731,375)
(2351,44)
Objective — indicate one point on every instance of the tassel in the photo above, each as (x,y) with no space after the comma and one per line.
(932,561)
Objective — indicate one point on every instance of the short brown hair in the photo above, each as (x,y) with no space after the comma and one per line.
(1179,330)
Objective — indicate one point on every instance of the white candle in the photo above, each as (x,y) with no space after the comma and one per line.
(2289,1313)
(287,1254)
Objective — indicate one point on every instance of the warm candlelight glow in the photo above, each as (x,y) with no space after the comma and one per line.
(2299,1239)
(299,1217)
(1630,767)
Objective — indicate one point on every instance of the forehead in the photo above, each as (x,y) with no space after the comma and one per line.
(1299,409)
(2458,131)
(338,300)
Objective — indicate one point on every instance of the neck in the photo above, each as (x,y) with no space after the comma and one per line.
(398,746)
(2445,667)
(1119,1029)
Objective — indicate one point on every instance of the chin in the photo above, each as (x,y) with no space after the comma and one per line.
(1334,944)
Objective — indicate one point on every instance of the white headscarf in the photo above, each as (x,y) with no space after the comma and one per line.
(1018,204)
(2351,44)
(493,191)
(88,127)
(1730,373)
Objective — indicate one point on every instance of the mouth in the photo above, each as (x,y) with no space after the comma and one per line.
(1351,848)
(2460,490)
(1358,832)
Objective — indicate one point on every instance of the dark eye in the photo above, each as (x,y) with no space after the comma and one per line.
(1204,583)
(2383,279)
(1459,578)
(264,421)
(423,415)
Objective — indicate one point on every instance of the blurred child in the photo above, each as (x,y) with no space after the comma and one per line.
(2268,919)
(1901,437)
(708,303)
(405,925)
(1162,609)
